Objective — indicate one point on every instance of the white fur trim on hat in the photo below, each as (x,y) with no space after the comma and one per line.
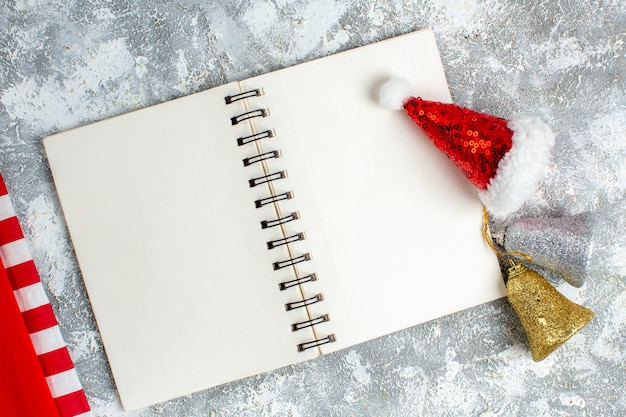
(521,169)
(394,93)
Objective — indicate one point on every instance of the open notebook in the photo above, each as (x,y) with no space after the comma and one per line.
(269,221)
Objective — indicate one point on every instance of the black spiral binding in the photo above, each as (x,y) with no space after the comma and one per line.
(273,199)
(267,178)
(304,303)
(249,115)
(315,343)
(291,261)
(260,157)
(308,323)
(295,282)
(246,94)
(266,224)
(257,136)
(286,240)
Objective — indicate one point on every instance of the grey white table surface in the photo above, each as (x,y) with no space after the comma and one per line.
(68,63)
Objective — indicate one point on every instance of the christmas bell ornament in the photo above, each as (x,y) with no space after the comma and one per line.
(504,159)
(563,245)
(549,319)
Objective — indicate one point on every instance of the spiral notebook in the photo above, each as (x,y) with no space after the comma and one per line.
(269,221)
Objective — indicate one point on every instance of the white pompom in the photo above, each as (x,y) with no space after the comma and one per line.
(394,93)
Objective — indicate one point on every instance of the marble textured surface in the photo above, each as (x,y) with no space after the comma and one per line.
(67,63)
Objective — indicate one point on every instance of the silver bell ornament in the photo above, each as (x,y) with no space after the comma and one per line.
(563,245)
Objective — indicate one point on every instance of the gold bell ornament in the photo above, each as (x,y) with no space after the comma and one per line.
(549,318)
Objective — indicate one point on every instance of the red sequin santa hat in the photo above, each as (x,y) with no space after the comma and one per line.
(504,159)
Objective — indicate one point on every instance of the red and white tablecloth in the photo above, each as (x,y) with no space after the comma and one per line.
(37,375)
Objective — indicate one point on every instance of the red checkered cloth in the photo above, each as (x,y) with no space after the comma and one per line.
(39,321)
